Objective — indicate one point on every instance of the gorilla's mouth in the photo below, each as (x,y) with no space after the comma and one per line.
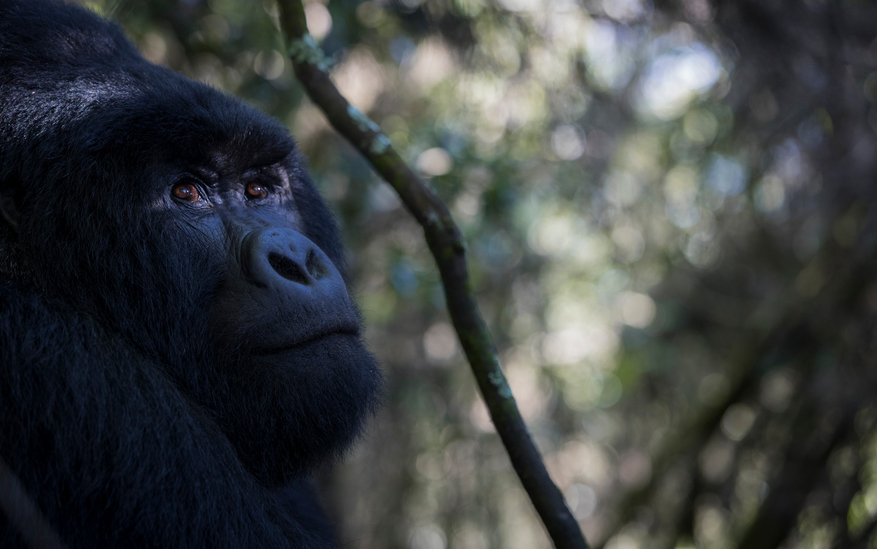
(351,331)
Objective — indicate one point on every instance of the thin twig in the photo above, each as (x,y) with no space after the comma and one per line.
(23,513)
(448,248)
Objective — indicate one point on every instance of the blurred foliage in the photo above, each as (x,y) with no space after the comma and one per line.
(669,207)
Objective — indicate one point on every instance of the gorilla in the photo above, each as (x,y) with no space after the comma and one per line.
(177,342)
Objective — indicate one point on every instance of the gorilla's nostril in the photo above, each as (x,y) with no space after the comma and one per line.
(315,265)
(287,268)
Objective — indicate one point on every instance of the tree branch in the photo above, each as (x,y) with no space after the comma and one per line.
(23,513)
(449,250)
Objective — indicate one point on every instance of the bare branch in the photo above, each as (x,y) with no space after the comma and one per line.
(23,514)
(448,248)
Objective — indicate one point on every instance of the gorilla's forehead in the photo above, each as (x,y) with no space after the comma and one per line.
(181,119)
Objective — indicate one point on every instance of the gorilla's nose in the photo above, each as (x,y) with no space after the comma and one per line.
(282,291)
(272,257)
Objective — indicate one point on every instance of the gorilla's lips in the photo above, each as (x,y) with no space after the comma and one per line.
(351,329)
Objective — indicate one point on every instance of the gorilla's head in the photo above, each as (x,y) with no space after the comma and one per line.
(185,221)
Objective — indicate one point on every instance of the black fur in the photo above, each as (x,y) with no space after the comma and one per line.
(168,369)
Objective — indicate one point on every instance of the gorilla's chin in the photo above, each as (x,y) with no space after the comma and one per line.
(299,407)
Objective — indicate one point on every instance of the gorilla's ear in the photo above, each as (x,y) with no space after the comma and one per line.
(9,210)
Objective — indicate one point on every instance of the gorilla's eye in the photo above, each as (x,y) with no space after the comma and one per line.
(186,191)
(255,191)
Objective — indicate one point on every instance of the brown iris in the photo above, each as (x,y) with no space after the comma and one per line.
(187,192)
(255,191)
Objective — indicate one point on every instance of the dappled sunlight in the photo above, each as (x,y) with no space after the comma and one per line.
(319,20)
(609,55)
(674,79)
(360,78)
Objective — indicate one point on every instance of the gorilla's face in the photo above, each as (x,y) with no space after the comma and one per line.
(185,221)
(290,378)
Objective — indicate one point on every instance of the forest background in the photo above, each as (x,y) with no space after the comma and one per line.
(669,213)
